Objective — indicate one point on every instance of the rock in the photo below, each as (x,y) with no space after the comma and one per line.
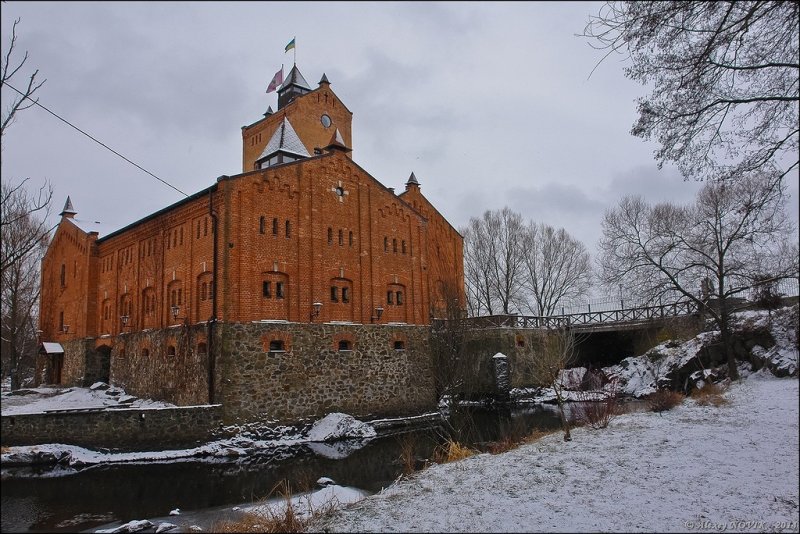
(98,386)
(127,399)
(165,527)
(176,511)
(131,526)
(325,481)
(335,426)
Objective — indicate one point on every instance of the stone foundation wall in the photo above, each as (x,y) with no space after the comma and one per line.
(168,364)
(311,377)
(127,429)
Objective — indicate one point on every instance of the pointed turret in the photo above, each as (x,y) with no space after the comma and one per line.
(269,112)
(412,182)
(337,142)
(68,211)
(324,80)
(294,85)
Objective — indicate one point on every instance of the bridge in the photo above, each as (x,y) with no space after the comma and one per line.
(590,321)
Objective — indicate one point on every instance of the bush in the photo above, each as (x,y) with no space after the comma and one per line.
(663,400)
(598,413)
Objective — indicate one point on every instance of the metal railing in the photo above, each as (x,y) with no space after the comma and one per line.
(642,313)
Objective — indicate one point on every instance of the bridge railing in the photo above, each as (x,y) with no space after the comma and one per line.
(644,313)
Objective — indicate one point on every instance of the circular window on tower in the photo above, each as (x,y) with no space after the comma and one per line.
(325,120)
(339,191)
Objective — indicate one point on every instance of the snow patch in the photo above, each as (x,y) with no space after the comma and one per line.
(336,426)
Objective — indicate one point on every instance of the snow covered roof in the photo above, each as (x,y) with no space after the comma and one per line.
(92,226)
(295,78)
(52,348)
(284,139)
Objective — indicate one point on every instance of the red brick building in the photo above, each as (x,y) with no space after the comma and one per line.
(303,234)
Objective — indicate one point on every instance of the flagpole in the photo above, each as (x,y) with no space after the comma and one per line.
(295,50)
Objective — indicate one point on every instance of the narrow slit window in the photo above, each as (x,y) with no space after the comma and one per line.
(266,289)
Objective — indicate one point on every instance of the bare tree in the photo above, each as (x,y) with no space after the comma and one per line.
(724,76)
(734,232)
(557,268)
(493,255)
(20,291)
(21,100)
(24,231)
(557,351)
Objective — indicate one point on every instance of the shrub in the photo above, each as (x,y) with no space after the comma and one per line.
(598,413)
(663,400)
(709,395)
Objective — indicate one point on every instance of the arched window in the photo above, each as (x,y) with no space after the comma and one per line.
(351,238)
(275,226)
(202,348)
(341,238)
(404,246)
(394,246)
(171,350)
(399,345)
(330,236)
(262,225)
(288,229)
(276,345)
(386,244)
(344,345)
(145,353)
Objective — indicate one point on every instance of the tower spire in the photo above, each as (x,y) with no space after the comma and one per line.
(68,210)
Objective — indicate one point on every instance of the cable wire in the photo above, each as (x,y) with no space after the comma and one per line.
(95,140)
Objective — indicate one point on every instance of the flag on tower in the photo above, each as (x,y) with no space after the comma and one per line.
(276,80)
(290,45)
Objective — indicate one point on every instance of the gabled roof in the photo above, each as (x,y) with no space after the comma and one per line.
(284,139)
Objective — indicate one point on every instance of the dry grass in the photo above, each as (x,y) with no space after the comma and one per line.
(452,451)
(663,400)
(537,433)
(407,458)
(284,519)
(709,395)
(504,445)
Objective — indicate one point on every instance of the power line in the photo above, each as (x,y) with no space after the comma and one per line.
(95,140)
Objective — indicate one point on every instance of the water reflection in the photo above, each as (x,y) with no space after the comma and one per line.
(105,493)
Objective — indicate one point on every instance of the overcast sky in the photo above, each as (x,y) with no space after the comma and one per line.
(489,104)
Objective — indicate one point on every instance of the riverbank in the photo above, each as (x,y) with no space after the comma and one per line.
(732,467)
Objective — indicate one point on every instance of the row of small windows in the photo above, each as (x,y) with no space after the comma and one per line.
(266,289)
(108,264)
(262,226)
(341,237)
(205,227)
(345,291)
(176,297)
(394,245)
(147,249)
(394,297)
(177,237)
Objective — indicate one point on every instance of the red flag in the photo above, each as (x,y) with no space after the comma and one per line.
(276,80)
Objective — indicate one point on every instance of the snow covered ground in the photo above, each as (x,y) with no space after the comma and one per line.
(694,468)
(44,399)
